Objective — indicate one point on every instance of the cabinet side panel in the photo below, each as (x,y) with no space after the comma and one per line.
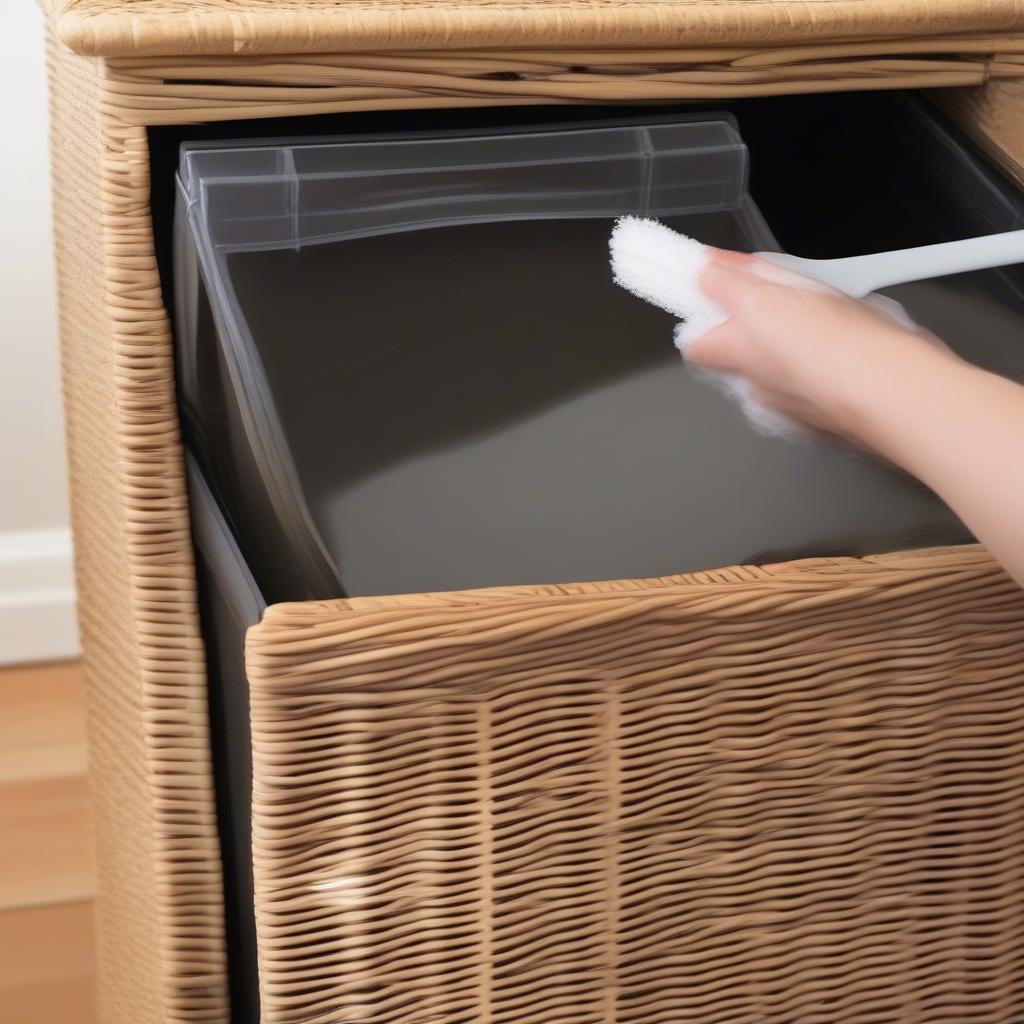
(159,905)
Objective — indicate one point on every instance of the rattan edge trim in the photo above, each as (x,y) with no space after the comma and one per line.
(112,28)
(829,576)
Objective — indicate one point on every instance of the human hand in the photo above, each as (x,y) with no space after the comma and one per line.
(809,352)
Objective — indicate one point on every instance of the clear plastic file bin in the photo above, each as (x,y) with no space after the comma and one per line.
(405,368)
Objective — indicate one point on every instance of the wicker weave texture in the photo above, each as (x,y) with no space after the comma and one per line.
(159,894)
(796,795)
(152,90)
(120,27)
(125,872)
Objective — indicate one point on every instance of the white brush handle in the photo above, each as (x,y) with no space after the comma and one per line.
(860,275)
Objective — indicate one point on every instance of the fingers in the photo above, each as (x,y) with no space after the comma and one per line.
(717,349)
(728,279)
(731,277)
(728,256)
(724,279)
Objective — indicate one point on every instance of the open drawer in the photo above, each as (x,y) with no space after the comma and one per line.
(769,794)
(778,792)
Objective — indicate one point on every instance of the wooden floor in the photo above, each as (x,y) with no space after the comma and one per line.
(46,876)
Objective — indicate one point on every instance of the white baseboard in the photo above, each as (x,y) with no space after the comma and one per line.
(37,597)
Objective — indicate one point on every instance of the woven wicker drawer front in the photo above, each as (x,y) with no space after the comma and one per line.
(773,795)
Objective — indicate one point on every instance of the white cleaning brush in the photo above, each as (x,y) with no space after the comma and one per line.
(663,267)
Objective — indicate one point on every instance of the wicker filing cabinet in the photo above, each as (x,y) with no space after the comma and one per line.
(778,793)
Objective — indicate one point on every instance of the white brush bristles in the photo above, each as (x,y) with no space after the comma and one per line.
(663,267)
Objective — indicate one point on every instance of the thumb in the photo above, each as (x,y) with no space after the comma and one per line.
(717,349)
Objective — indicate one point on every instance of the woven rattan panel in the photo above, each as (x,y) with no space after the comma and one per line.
(751,796)
(126,875)
(159,898)
(153,90)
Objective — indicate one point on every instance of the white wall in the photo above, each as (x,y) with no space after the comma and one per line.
(36,591)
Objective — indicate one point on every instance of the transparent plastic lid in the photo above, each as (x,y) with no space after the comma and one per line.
(290,195)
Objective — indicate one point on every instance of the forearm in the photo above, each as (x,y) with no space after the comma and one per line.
(960,430)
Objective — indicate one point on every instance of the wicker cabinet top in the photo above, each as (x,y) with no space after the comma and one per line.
(118,28)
